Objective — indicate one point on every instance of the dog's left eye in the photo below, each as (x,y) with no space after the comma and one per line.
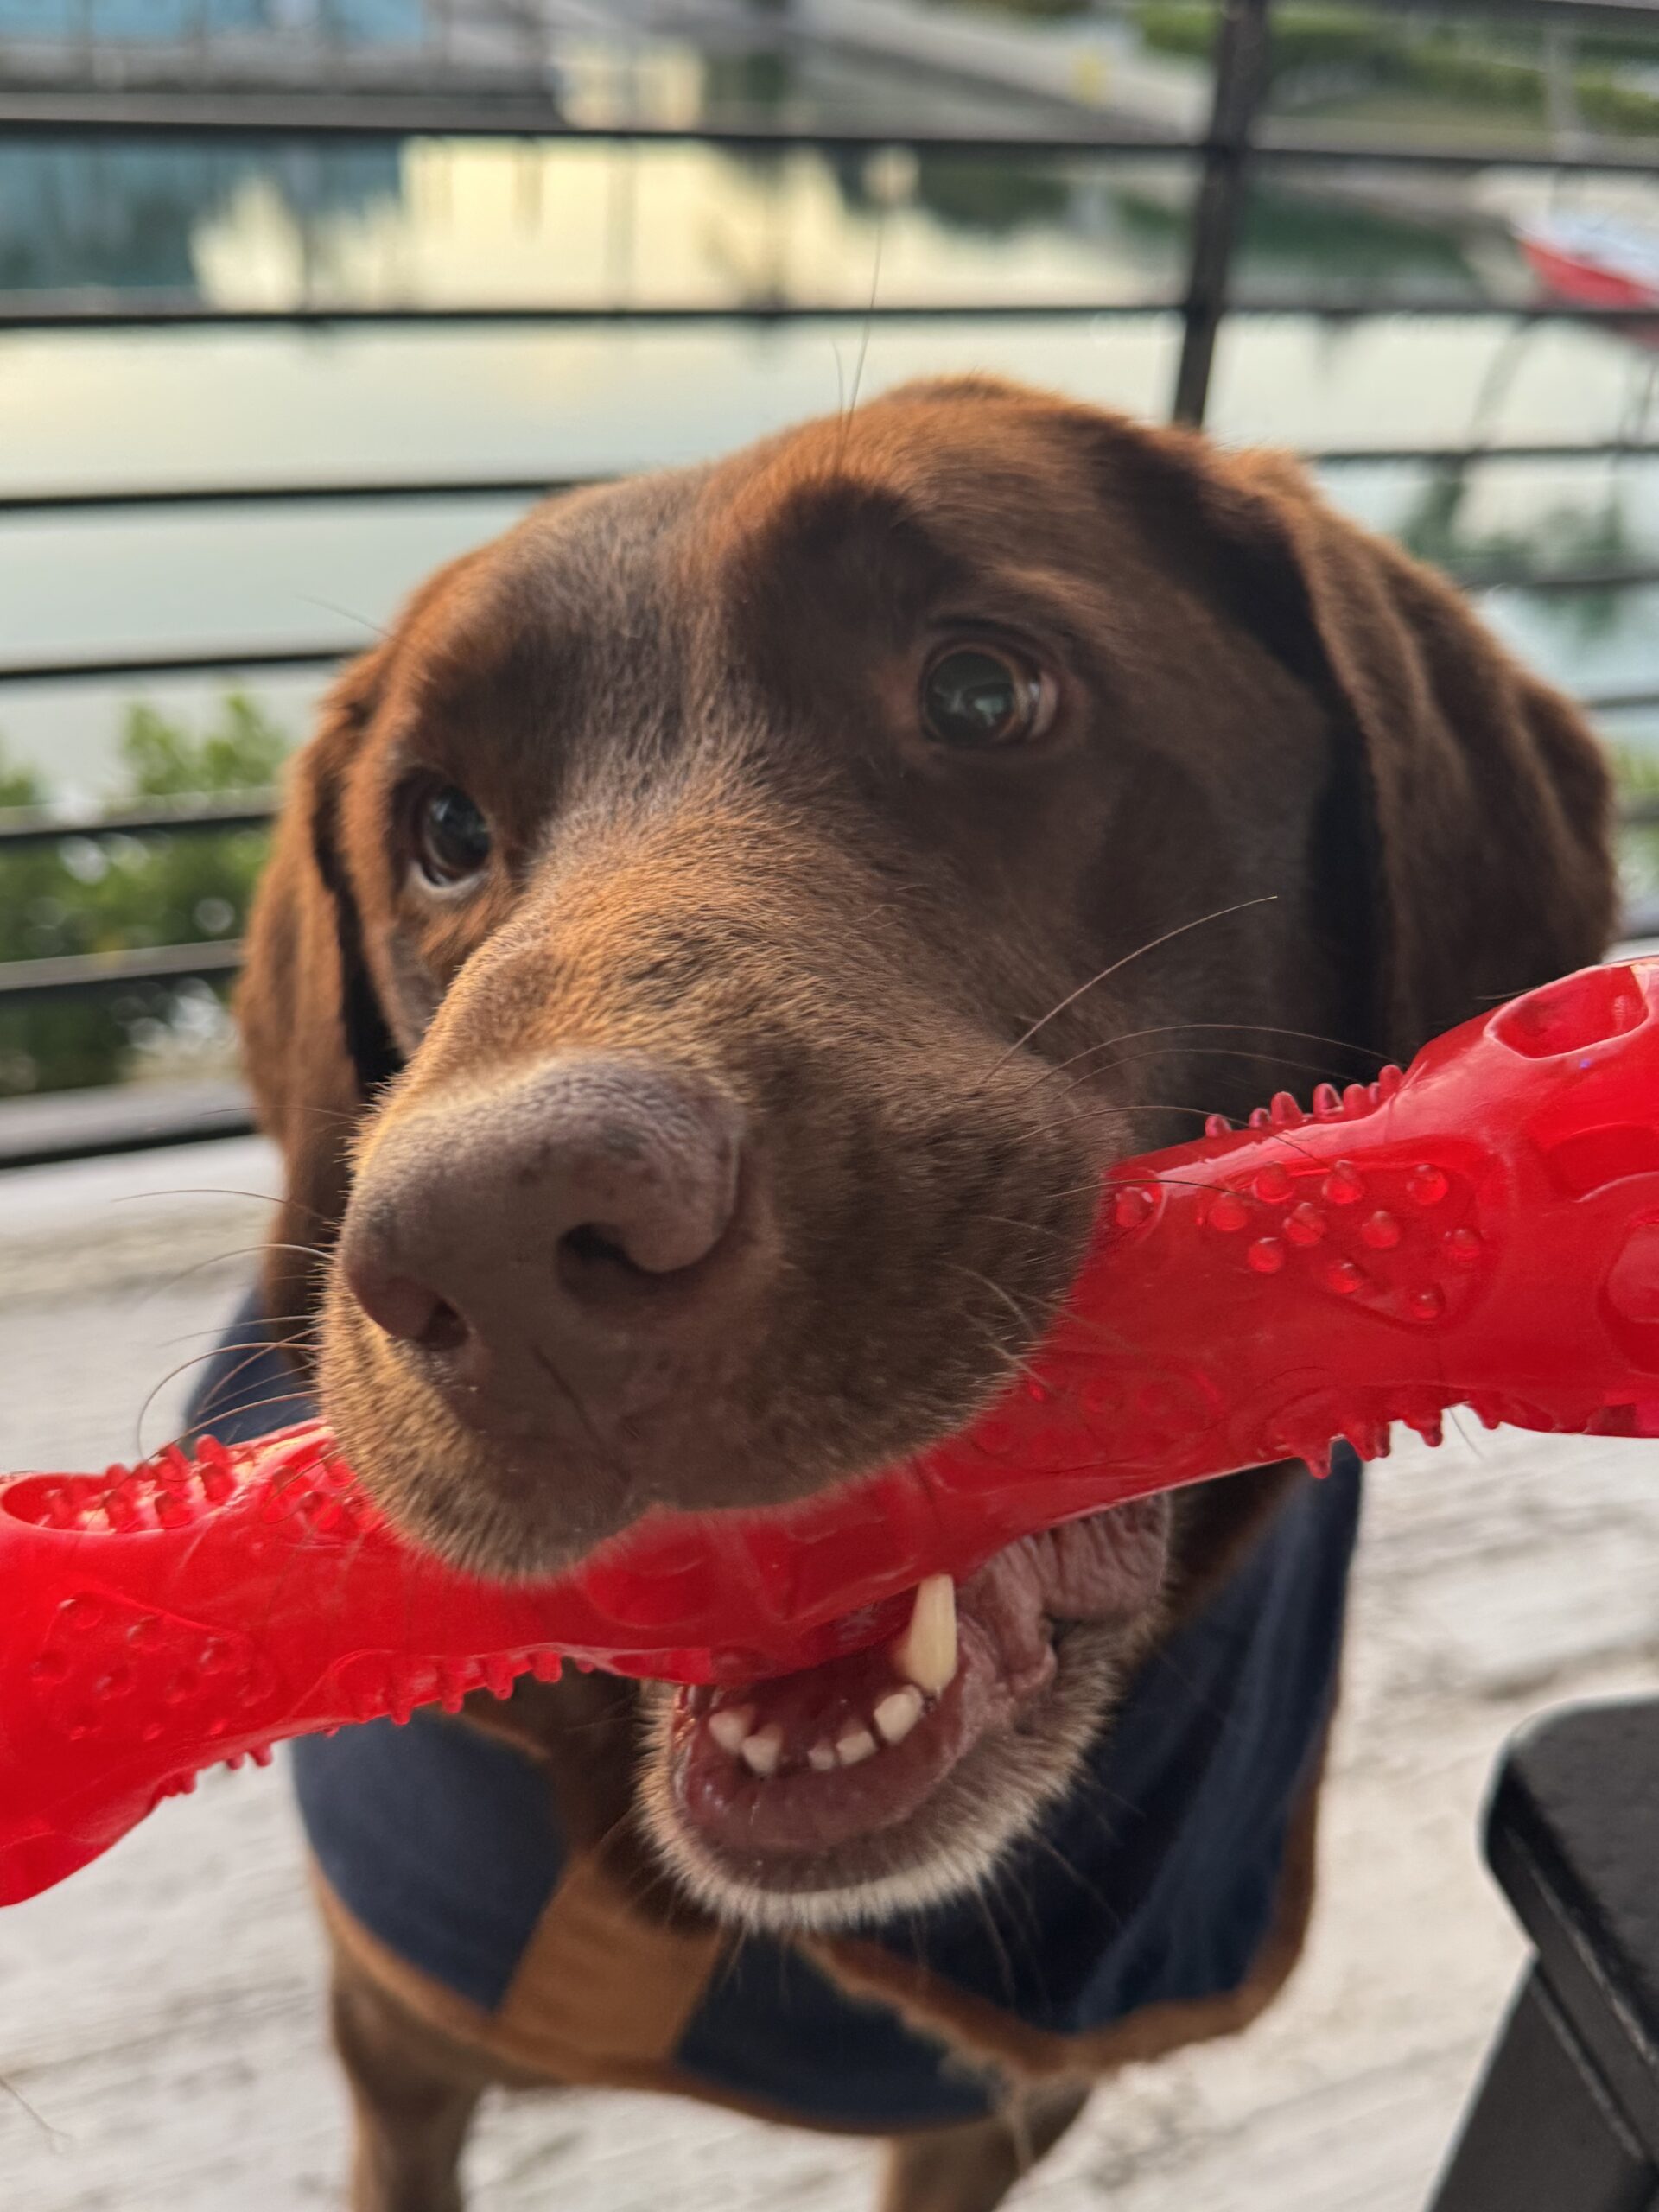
(452,837)
(984,696)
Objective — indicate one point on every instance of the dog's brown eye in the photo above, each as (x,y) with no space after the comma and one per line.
(452,837)
(985,696)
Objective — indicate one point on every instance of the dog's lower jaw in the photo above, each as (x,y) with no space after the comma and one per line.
(952,1846)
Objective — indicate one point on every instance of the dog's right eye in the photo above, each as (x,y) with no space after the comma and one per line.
(981,698)
(452,837)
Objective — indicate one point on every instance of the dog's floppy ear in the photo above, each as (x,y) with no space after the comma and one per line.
(315,1043)
(1466,834)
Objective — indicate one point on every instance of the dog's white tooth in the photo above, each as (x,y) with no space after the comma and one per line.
(822,1758)
(856,1746)
(898,1713)
(762,1750)
(926,1653)
(730,1725)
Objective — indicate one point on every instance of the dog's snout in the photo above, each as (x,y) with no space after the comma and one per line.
(574,1206)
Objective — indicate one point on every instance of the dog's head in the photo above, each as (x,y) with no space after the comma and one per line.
(715,944)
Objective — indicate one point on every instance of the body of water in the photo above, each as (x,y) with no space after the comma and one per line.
(161,22)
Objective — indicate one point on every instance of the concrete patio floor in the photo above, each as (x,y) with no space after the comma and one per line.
(161,2038)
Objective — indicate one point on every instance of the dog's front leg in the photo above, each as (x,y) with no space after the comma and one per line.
(972,2168)
(410,2106)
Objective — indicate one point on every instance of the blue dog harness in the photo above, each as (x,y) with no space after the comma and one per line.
(1160,1899)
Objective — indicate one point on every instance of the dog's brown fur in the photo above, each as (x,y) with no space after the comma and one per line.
(687,706)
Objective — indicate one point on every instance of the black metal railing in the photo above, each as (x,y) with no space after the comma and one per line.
(1236,145)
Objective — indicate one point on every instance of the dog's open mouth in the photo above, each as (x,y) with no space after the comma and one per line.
(872,1776)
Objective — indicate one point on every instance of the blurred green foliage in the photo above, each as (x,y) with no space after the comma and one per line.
(116,893)
(1637,767)
(1562,538)
(1492,66)
(995,199)
(990,198)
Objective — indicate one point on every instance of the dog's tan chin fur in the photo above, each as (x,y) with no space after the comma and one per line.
(992,1798)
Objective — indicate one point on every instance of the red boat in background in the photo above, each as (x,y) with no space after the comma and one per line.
(1595,261)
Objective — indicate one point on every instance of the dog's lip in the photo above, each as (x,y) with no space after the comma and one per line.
(1109,1567)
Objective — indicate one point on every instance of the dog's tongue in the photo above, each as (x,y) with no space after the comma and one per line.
(804,1761)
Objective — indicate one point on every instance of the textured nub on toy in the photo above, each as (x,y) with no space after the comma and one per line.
(1378,1237)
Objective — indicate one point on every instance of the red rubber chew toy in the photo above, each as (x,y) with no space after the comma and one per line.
(1482,1230)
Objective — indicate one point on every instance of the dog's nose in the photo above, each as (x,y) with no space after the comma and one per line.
(566,1212)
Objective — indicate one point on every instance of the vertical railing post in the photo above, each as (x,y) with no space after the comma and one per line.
(1240,76)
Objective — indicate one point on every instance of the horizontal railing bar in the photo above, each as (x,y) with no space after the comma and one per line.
(206,661)
(1337,310)
(210,660)
(247,113)
(1556,583)
(77,974)
(159,1133)
(363,114)
(1565,449)
(26,982)
(102,312)
(355,490)
(45,1129)
(1615,702)
(25,826)
(352,489)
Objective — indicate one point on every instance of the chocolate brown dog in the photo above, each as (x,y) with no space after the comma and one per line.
(713,948)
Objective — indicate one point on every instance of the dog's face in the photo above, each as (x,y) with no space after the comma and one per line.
(757,905)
